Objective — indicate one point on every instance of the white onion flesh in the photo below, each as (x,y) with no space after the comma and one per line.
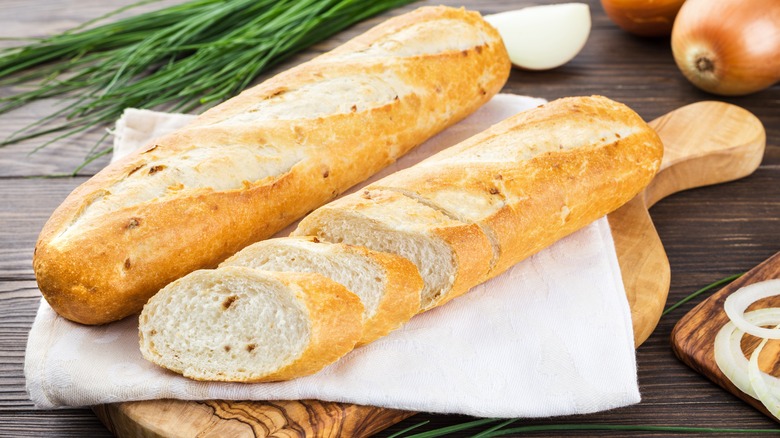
(728,351)
(543,37)
(764,392)
(739,301)
(743,373)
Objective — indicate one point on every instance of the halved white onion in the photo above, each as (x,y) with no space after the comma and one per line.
(543,37)
(739,301)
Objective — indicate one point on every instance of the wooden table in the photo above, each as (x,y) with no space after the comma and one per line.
(709,233)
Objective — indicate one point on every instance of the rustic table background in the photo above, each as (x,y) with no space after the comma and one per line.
(709,233)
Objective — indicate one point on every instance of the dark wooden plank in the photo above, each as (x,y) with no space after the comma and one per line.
(25,205)
(18,417)
(18,304)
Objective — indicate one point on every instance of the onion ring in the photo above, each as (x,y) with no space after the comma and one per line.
(739,301)
(743,373)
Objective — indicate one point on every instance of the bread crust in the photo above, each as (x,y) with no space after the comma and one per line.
(401,300)
(336,323)
(594,155)
(104,268)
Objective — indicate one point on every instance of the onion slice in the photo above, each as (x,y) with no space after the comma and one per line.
(730,358)
(763,390)
(739,301)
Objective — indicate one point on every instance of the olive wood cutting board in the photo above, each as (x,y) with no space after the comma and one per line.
(705,143)
(693,337)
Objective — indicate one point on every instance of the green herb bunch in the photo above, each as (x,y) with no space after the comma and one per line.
(182,57)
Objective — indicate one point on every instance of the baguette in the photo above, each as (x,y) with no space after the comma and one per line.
(251,166)
(389,286)
(524,183)
(473,210)
(250,325)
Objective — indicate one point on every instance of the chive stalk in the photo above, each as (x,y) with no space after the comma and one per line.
(721,282)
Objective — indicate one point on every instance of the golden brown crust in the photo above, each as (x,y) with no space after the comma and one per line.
(529,198)
(472,252)
(336,323)
(401,300)
(109,266)
(526,200)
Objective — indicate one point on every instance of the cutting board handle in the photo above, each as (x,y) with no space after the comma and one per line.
(704,143)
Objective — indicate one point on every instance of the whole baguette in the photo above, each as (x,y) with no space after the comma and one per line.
(525,183)
(254,164)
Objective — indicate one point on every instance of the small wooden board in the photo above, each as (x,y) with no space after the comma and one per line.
(693,338)
(705,143)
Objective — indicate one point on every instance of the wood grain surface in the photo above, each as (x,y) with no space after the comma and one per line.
(693,338)
(708,233)
(222,418)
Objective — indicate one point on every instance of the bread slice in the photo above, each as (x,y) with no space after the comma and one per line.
(244,325)
(450,255)
(388,285)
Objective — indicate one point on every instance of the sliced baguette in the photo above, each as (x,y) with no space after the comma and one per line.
(388,285)
(240,324)
(538,176)
(519,186)
(451,256)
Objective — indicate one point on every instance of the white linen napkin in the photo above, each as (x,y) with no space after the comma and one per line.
(552,336)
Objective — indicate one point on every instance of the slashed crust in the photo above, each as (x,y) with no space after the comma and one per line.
(532,198)
(106,268)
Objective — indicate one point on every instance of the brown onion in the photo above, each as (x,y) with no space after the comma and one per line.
(643,17)
(728,47)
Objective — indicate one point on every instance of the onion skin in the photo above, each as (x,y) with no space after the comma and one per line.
(650,18)
(728,47)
